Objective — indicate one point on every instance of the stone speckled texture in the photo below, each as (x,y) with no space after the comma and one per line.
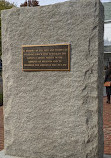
(54,114)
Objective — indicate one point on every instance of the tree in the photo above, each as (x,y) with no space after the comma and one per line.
(4,5)
(30,3)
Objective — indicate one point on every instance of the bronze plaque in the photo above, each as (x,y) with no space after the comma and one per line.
(55,57)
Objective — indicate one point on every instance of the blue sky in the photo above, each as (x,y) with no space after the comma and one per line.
(45,2)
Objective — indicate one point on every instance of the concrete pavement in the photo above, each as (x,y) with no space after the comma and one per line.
(2,155)
(107,156)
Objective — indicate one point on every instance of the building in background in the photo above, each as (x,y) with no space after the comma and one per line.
(107,34)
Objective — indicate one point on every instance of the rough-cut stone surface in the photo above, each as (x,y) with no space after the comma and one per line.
(54,114)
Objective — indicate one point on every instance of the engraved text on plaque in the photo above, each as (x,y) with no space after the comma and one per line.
(46,57)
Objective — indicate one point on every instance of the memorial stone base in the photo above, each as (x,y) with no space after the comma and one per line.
(2,155)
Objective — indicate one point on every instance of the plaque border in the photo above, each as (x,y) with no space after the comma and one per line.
(69,45)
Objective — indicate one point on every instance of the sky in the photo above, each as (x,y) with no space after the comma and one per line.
(45,2)
(41,2)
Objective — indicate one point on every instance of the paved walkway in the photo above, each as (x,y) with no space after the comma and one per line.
(2,155)
(107,156)
(107,126)
(106,121)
